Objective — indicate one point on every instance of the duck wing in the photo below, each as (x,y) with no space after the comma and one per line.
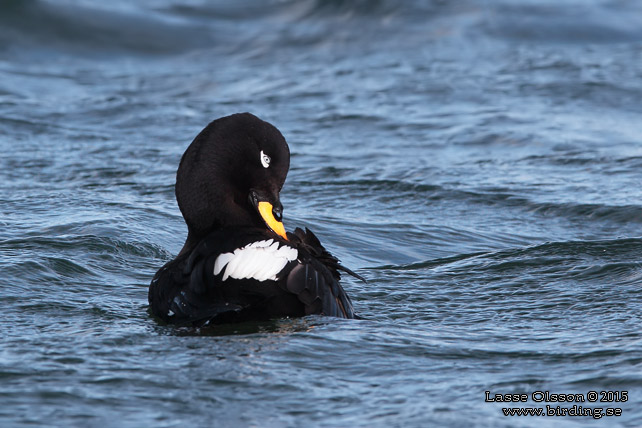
(315,278)
(232,275)
(178,295)
(241,274)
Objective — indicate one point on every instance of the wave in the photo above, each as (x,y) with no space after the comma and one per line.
(170,27)
(576,260)
(389,190)
(44,27)
(557,22)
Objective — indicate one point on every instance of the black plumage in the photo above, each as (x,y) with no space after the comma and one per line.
(237,262)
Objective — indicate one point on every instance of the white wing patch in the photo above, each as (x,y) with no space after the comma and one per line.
(261,260)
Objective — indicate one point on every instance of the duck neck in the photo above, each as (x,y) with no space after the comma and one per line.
(190,243)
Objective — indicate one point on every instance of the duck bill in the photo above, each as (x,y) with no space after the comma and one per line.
(266,211)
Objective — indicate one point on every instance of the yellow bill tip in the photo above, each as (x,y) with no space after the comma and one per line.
(265,209)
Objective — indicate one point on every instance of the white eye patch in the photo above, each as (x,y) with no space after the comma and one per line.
(265,160)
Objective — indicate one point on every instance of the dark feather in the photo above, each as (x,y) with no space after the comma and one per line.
(221,182)
(311,243)
(186,290)
(316,280)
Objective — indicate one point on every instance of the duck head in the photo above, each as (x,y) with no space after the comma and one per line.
(232,174)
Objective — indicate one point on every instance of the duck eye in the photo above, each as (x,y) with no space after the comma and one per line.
(265,160)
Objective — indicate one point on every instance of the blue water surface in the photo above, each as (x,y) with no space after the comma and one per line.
(479,162)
